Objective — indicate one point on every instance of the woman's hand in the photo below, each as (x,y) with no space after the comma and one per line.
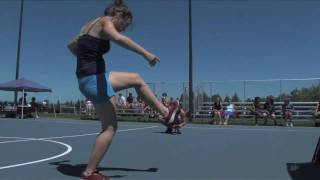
(152,59)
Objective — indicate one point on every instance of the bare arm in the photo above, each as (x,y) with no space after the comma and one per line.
(124,41)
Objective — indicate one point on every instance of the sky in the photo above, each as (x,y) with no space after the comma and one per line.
(232,40)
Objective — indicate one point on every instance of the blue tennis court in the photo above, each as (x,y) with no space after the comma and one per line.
(59,149)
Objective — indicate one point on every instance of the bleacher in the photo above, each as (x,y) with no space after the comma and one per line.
(130,111)
(302,110)
(134,111)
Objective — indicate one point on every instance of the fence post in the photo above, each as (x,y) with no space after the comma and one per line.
(210,90)
(280,90)
(244,91)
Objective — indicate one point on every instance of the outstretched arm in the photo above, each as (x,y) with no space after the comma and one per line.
(112,33)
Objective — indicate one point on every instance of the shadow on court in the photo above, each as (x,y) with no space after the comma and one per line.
(303,171)
(68,169)
(163,132)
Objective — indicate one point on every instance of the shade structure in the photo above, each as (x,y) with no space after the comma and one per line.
(24,85)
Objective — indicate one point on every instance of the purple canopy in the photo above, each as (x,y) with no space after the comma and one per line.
(23,85)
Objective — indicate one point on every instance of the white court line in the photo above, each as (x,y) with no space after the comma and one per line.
(79,122)
(24,139)
(63,137)
(69,149)
(82,135)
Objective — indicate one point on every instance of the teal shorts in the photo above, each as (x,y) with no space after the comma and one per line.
(96,88)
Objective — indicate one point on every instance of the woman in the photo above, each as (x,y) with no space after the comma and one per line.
(217,110)
(287,111)
(317,112)
(34,108)
(230,111)
(100,86)
(259,111)
(271,110)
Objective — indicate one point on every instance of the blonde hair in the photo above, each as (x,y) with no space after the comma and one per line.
(119,8)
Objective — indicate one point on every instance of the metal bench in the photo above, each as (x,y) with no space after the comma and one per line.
(301,110)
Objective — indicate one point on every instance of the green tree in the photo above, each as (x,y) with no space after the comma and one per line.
(311,93)
(235,98)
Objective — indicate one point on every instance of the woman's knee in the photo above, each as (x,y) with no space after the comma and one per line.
(138,80)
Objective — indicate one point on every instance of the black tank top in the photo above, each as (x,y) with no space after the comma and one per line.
(90,52)
(217,106)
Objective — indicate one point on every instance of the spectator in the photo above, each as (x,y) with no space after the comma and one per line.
(1,106)
(122,100)
(259,111)
(287,110)
(164,99)
(89,107)
(217,111)
(130,100)
(317,112)
(148,110)
(230,111)
(24,100)
(34,108)
(269,106)
(316,115)
(44,106)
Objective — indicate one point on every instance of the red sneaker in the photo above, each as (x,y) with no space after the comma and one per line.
(94,176)
(173,108)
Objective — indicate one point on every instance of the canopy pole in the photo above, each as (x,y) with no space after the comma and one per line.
(54,109)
